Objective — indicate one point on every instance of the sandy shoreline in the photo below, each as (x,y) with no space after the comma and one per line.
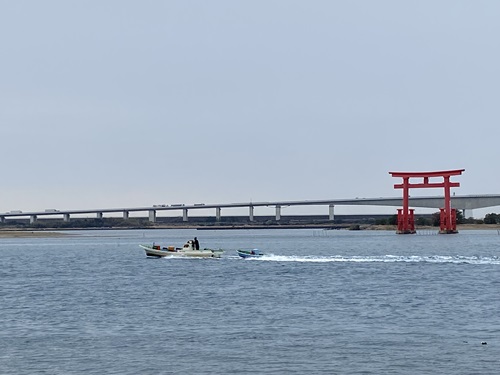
(29,233)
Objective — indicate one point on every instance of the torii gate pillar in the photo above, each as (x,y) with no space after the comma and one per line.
(406,222)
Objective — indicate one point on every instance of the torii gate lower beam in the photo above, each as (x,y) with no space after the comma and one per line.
(406,223)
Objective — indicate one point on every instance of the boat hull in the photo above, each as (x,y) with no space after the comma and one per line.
(249,254)
(161,253)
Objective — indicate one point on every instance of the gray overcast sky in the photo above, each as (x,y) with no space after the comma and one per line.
(131,103)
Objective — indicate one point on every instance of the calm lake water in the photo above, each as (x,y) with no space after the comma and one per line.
(320,302)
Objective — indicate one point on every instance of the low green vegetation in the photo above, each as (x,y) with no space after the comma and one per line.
(352,222)
(492,218)
(78,223)
(434,220)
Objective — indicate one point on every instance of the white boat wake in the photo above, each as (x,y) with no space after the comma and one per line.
(457,259)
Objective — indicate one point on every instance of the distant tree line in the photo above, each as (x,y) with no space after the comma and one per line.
(131,223)
(79,223)
(492,218)
(434,220)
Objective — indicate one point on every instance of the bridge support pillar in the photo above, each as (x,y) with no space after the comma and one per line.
(278,213)
(152,216)
(217,213)
(250,209)
(125,215)
(32,219)
(99,215)
(184,214)
(467,213)
(331,215)
(66,218)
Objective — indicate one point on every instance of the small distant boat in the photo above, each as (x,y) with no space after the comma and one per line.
(254,253)
(187,250)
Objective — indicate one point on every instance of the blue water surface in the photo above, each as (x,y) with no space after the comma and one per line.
(318,302)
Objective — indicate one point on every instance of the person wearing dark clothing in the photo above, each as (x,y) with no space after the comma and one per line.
(196,244)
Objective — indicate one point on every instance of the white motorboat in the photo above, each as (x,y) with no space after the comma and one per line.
(187,250)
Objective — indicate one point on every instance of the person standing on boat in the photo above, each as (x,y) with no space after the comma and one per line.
(196,244)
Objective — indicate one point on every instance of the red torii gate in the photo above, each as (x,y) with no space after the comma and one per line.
(406,221)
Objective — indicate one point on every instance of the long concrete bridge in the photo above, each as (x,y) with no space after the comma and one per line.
(466,203)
